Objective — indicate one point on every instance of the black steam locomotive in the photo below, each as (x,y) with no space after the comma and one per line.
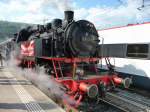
(68,50)
(61,38)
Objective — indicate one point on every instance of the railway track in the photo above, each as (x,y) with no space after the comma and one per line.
(116,107)
(145,101)
(127,102)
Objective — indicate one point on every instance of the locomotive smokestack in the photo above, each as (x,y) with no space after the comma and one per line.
(69,16)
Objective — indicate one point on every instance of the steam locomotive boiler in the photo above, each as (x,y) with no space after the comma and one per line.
(68,50)
(66,38)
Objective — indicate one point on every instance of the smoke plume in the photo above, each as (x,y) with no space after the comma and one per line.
(60,4)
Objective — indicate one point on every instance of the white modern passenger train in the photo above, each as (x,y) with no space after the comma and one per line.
(130,48)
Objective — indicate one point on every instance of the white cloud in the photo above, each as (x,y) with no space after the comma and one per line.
(81,13)
(105,17)
(34,11)
(35,6)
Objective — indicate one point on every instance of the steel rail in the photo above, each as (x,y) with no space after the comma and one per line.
(113,105)
(134,97)
(127,102)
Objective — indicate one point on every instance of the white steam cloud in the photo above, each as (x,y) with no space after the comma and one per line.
(61,5)
(102,16)
(42,80)
(34,11)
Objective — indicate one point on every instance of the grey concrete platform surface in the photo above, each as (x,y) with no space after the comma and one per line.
(19,95)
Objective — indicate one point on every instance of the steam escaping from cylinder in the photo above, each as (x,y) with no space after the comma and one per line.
(42,80)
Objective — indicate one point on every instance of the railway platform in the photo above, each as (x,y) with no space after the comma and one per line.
(17,94)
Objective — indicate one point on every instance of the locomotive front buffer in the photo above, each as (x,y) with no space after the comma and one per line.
(83,81)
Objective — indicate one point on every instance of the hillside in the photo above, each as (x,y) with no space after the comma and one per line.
(7,29)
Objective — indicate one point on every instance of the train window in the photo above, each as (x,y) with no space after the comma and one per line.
(137,50)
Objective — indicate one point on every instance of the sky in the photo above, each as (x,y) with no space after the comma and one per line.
(103,13)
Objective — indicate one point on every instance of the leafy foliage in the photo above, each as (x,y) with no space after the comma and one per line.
(7,29)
